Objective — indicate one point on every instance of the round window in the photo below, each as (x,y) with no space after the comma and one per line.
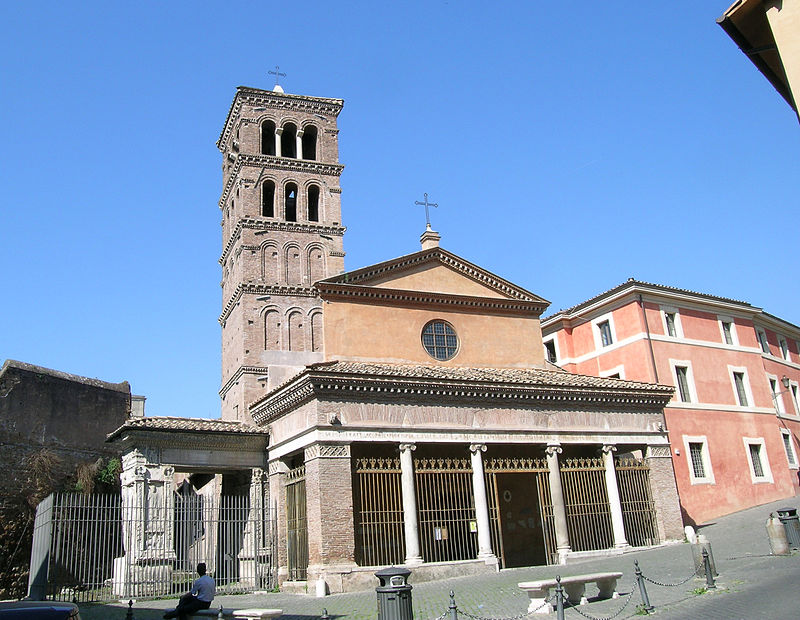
(440,340)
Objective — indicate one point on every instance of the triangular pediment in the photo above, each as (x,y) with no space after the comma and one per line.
(435,271)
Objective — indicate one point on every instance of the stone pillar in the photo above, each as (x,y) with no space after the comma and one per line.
(148,517)
(559,507)
(481,505)
(329,514)
(614,503)
(277,496)
(410,525)
(253,558)
(278,133)
(299,144)
(665,493)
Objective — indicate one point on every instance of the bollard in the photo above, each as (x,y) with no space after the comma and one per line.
(453,609)
(129,614)
(221,614)
(325,615)
(559,599)
(710,585)
(776,534)
(640,581)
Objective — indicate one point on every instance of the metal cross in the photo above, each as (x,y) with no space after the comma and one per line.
(277,73)
(427,213)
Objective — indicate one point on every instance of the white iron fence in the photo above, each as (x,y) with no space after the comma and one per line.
(91,548)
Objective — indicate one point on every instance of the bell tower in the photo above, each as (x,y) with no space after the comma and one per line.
(281,232)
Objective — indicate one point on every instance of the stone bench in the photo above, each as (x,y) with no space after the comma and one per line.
(227,612)
(574,588)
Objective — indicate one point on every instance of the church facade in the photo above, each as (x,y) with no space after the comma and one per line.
(406,410)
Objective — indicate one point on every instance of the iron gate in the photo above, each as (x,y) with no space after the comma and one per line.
(586,503)
(378,508)
(296,524)
(636,497)
(87,548)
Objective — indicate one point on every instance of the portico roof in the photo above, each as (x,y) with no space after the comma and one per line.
(185,425)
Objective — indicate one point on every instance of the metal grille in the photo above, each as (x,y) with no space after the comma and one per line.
(296,524)
(638,507)
(696,454)
(380,537)
(88,548)
(446,507)
(586,500)
(537,467)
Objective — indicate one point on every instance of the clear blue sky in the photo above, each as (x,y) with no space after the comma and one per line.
(569,146)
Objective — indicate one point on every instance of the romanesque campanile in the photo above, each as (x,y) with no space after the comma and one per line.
(281,232)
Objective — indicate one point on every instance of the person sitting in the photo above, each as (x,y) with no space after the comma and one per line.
(199,597)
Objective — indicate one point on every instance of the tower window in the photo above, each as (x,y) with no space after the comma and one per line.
(290,202)
(268,199)
(289,140)
(313,203)
(310,142)
(268,138)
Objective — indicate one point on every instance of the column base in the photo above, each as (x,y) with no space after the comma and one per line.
(623,545)
(414,561)
(563,554)
(490,559)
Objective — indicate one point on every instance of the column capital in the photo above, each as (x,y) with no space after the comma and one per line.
(279,130)
(477,447)
(407,446)
(608,447)
(300,133)
(553,448)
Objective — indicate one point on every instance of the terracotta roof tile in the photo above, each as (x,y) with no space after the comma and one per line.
(196,425)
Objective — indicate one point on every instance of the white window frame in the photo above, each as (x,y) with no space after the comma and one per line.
(767,477)
(761,345)
(747,390)
(689,379)
(554,340)
(783,347)
(598,340)
(620,370)
(775,395)
(709,477)
(728,319)
(785,433)
(678,327)
(794,393)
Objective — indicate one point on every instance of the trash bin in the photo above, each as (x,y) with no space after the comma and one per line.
(791,524)
(394,594)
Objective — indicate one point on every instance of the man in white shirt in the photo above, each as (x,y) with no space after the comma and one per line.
(199,597)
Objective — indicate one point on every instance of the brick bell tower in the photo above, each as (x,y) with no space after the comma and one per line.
(281,232)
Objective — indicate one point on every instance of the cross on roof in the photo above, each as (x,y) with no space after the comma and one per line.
(277,73)
(427,213)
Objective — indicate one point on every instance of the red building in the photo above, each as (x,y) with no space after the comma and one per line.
(734,419)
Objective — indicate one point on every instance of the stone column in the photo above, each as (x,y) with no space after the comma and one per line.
(481,505)
(329,514)
(278,133)
(411,527)
(614,503)
(277,494)
(253,555)
(148,511)
(299,144)
(559,507)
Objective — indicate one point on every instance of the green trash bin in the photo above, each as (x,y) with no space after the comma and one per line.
(791,524)
(394,594)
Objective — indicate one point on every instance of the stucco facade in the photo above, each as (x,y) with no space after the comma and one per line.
(729,362)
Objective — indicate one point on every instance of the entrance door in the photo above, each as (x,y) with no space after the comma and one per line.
(296,525)
(520,519)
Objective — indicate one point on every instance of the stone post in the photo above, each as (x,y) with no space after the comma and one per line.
(329,514)
(299,147)
(559,506)
(481,505)
(277,493)
(411,527)
(278,134)
(253,558)
(148,517)
(614,503)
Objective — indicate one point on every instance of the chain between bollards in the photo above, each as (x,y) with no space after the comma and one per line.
(710,585)
(642,588)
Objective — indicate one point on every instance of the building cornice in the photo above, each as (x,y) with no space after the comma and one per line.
(241,371)
(261,226)
(275,101)
(315,382)
(264,162)
(378,295)
(249,288)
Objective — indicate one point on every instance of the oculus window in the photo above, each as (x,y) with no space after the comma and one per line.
(440,340)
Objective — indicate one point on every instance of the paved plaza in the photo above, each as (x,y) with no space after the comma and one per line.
(752,584)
